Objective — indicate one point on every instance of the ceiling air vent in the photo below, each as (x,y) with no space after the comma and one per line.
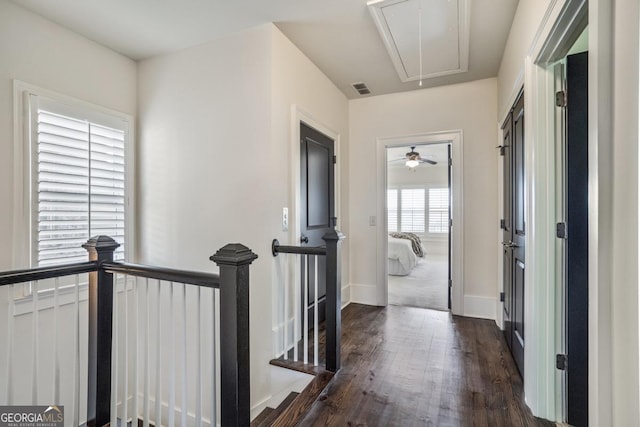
(361,88)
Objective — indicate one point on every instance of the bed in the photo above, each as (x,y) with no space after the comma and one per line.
(402,259)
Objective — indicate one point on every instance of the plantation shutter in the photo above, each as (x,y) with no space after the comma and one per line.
(438,210)
(392,209)
(412,207)
(79,171)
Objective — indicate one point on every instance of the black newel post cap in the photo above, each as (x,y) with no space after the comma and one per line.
(233,254)
(333,235)
(101,244)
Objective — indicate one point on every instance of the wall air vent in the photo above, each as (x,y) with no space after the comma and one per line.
(361,88)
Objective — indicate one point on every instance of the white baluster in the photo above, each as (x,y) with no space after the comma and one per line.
(125,352)
(136,351)
(296,314)
(114,354)
(56,356)
(198,363)
(305,315)
(315,315)
(185,401)
(76,363)
(158,416)
(285,316)
(10,336)
(172,361)
(214,384)
(147,385)
(35,348)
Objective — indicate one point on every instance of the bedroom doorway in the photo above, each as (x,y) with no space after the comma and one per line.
(418,212)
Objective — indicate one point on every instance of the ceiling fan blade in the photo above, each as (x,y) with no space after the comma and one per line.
(431,162)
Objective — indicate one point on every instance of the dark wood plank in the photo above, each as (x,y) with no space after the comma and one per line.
(404,366)
(273,414)
(301,404)
(262,416)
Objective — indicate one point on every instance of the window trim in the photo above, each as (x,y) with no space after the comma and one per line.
(23,136)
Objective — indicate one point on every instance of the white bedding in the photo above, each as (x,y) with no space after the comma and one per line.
(401,257)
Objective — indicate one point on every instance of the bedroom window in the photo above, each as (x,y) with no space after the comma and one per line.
(412,210)
(418,210)
(392,209)
(438,210)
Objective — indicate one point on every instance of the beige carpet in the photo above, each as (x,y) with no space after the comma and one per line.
(425,286)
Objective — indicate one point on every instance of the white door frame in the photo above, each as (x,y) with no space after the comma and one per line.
(455,138)
(543,383)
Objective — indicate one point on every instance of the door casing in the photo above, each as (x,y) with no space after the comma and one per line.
(455,137)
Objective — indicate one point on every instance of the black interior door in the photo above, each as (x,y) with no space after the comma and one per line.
(513,231)
(507,227)
(577,173)
(519,234)
(317,209)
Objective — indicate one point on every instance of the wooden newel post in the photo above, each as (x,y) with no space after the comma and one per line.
(234,260)
(100,249)
(333,322)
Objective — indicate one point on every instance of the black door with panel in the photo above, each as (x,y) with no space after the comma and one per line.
(518,242)
(514,235)
(577,269)
(317,209)
(506,151)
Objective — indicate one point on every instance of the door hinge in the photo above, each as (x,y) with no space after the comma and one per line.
(562,362)
(561,99)
(450,283)
(450,222)
(561,230)
(501,296)
(502,149)
(335,160)
(503,224)
(450,162)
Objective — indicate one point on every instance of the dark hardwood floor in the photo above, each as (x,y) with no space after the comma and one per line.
(404,366)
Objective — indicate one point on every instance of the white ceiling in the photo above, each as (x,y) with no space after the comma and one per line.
(339,36)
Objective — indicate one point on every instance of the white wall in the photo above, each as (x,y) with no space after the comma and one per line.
(44,54)
(624,283)
(468,106)
(525,24)
(215,158)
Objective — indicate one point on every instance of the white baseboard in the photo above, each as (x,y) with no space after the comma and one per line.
(480,307)
(364,294)
(346,296)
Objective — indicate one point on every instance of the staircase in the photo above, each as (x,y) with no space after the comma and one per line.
(295,406)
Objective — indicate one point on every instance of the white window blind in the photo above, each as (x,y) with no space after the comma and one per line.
(392,209)
(79,174)
(438,210)
(412,210)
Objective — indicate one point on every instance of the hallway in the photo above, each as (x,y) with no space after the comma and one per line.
(404,366)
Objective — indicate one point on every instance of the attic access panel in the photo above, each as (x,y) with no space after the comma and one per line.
(445,36)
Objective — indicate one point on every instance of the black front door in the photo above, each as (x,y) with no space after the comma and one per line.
(317,209)
(513,231)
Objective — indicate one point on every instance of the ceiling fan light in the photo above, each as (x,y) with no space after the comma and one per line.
(412,163)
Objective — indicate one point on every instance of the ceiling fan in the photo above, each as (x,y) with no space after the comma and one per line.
(413,159)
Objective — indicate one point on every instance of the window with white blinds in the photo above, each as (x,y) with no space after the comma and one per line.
(438,210)
(392,209)
(79,181)
(412,210)
(418,210)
